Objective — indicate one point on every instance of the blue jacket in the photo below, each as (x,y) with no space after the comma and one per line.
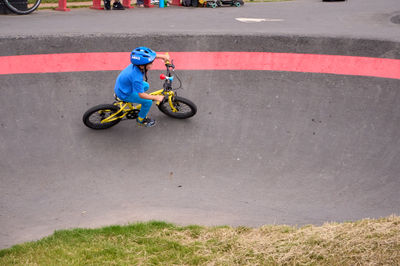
(129,81)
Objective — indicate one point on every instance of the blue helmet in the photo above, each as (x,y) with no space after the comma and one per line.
(142,56)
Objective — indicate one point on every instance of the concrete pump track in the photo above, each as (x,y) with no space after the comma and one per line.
(290,142)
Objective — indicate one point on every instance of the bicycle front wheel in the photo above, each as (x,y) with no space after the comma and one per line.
(22,7)
(93,117)
(184,108)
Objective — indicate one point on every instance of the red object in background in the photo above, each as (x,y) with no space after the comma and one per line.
(162,76)
(96,4)
(148,4)
(127,3)
(62,6)
(176,3)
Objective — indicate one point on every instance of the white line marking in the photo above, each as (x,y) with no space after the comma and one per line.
(255,20)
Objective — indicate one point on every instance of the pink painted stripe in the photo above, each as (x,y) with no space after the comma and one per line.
(311,63)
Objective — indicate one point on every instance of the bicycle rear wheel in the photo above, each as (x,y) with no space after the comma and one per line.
(22,7)
(185,108)
(93,117)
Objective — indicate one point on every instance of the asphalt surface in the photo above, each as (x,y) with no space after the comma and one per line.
(264,148)
(353,18)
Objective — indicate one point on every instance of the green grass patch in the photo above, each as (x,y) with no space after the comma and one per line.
(372,242)
(70,7)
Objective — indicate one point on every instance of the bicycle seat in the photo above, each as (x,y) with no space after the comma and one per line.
(118,99)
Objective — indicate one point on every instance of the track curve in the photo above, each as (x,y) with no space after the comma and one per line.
(265,146)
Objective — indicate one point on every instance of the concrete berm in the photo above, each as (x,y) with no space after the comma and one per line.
(266,147)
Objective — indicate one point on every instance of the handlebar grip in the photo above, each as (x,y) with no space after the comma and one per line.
(167,62)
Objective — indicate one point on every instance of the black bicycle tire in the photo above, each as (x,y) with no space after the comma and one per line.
(94,109)
(166,109)
(22,12)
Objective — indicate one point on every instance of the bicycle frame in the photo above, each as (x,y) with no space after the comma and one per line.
(125,107)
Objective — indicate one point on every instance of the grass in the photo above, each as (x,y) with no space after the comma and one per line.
(365,242)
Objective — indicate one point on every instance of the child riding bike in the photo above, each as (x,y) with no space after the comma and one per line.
(131,84)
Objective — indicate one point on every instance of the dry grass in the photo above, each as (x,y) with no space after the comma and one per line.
(366,242)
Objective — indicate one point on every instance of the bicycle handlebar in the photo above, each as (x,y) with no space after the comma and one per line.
(170,64)
(169,77)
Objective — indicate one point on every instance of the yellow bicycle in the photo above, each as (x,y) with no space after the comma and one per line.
(104,116)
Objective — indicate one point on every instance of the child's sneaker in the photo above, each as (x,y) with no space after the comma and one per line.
(118,6)
(107,4)
(147,122)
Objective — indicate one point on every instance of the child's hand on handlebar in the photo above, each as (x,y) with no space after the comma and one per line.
(167,59)
(164,57)
(158,98)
